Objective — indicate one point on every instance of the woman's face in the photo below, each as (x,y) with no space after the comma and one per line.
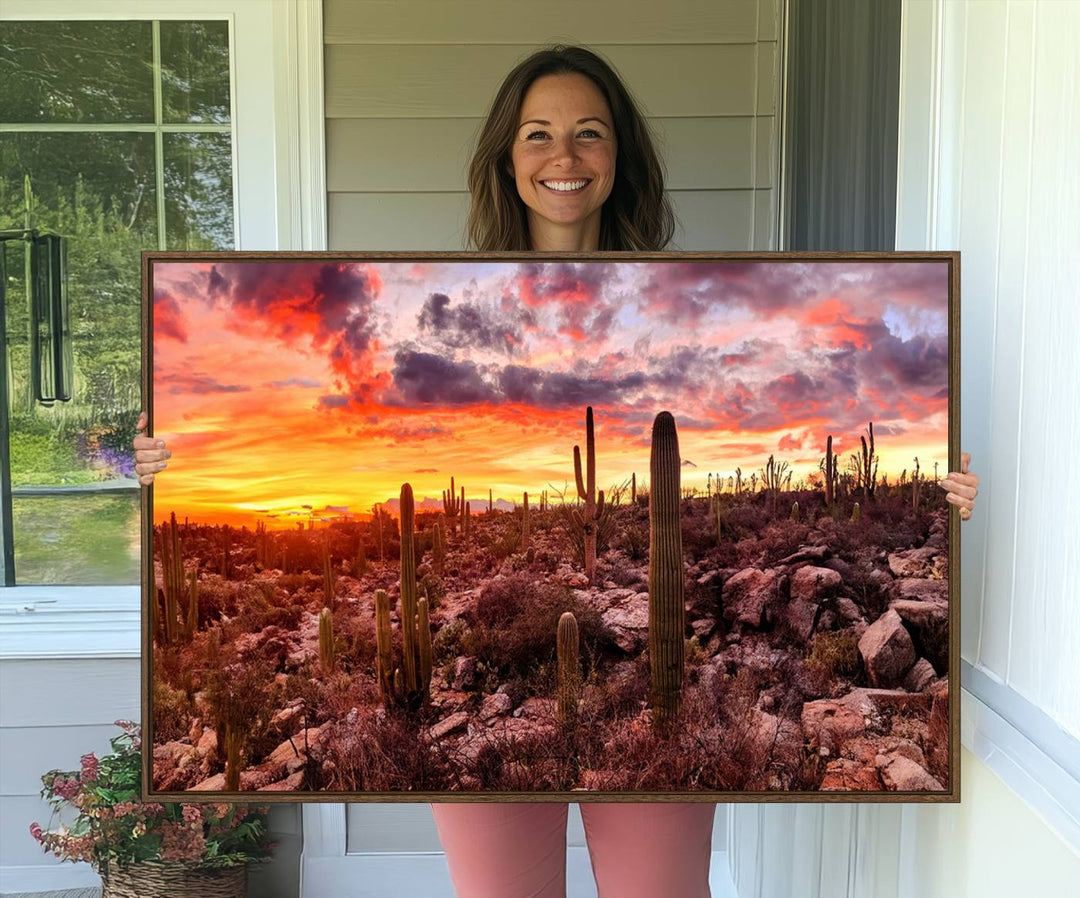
(563,160)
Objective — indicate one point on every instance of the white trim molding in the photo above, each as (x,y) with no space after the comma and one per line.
(298,38)
(1034,757)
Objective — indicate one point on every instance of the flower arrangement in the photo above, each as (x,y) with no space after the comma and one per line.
(113,827)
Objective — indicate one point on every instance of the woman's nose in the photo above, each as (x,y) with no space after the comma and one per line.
(564,149)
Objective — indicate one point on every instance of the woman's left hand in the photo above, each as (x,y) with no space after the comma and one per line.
(962,487)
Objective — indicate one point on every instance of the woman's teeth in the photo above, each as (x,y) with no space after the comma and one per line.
(564,186)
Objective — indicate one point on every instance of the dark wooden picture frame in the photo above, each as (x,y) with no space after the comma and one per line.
(732,639)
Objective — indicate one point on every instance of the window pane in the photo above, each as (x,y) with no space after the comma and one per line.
(77,540)
(76,72)
(198,191)
(98,191)
(195,71)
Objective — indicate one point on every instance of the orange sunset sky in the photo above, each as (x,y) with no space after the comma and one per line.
(312,388)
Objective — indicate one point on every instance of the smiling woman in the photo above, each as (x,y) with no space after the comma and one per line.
(560,117)
(563,160)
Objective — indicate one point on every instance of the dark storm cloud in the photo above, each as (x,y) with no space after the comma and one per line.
(427,379)
(685,291)
(558,390)
(469,324)
(329,402)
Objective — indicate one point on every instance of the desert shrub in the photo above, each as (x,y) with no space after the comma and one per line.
(381,752)
(515,621)
(288,618)
(698,528)
(781,538)
(172,712)
(834,654)
(614,568)
(243,698)
(446,644)
(293,583)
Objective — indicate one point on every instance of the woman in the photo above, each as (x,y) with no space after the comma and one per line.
(565,163)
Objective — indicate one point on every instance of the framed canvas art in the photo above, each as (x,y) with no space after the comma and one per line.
(599,526)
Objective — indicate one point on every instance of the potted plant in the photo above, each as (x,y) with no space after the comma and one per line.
(147,848)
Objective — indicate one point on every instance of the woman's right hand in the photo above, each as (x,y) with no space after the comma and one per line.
(150,454)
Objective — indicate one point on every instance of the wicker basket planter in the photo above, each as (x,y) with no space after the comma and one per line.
(161,880)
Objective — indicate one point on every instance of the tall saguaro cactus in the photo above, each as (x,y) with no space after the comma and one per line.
(525,523)
(384,646)
(408,589)
(586,487)
(172,576)
(869,465)
(409,687)
(830,473)
(568,655)
(666,612)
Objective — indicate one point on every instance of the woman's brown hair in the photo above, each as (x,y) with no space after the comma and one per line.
(637,214)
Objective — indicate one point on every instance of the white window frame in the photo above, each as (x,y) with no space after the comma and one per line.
(280,204)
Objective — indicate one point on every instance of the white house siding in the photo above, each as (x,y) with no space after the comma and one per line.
(408,82)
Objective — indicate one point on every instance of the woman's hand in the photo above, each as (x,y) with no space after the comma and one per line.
(150,454)
(962,487)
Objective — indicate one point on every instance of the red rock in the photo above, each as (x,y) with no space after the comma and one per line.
(811,584)
(748,594)
(900,774)
(844,775)
(887,650)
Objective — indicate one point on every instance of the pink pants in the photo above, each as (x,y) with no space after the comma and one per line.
(519,850)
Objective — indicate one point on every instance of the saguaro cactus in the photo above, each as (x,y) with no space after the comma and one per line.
(525,523)
(453,505)
(326,639)
(328,575)
(795,510)
(408,589)
(568,654)
(666,612)
(830,473)
(409,687)
(384,659)
(423,628)
(172,576)
(226,552)
(869,465)
(377,509)
(193,605)
(586,487)
(856,513)
(915,487)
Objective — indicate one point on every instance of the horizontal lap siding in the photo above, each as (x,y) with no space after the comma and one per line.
(408,83)
(52,713)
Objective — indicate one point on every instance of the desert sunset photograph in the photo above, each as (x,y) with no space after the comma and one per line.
(444,525)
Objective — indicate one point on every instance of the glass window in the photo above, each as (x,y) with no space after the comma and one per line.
(117,136)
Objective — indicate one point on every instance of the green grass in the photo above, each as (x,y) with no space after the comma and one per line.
(77,540)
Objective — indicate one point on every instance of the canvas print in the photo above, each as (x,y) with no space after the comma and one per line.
(446,526)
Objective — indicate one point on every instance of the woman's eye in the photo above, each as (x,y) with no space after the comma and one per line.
(589,132)
(533,134)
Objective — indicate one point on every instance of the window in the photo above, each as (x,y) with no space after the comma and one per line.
(117,136)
